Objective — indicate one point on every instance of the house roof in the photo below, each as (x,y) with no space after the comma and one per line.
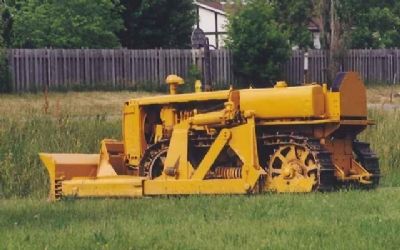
(313,24)
(211,5)
(216,6)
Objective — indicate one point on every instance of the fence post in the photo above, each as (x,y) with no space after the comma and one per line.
(31,69)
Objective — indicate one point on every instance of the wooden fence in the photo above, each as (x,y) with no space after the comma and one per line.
(59,68)
(122,68)
(374,65)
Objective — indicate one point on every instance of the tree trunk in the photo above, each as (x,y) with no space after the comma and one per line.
(332,34)
(336,48)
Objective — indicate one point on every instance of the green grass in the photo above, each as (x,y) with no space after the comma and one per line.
(384,137)
(76,122)
(341,220)
(22,173)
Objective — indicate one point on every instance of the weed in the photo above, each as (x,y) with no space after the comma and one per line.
(77,122)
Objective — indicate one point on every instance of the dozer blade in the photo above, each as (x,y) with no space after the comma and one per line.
(77,175)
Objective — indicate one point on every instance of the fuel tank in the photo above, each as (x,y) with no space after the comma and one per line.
(284,102)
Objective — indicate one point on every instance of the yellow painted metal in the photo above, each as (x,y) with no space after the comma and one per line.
(296,170)
(80,175)
(120,186)
(241,139)
(217,117)
(133,123)
(158,133)
(244,143)
(296,185)
(67,166)
(332,105)
(231,121)
(197,86)
(294,102)
(353,97)
(183,98)
(173,81)
(105,168)
(346,167)
(281,84)
(212,154)
(361,174)
(216,186)
(176,164)
(167,116)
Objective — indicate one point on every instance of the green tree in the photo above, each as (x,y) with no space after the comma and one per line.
(4,71)
(356,24)
(260,45)
(157,23)
(377,27)
(67,24)
(6,22)
(294,16)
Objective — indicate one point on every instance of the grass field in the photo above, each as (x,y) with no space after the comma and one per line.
(342,220)
(76,122)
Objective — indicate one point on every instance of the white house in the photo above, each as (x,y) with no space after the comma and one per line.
(212,19)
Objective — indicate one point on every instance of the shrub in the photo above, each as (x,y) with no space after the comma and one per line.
(5,80)
(259,44)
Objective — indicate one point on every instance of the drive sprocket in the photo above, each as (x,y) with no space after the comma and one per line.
(297,164)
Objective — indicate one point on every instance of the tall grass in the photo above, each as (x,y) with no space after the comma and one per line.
(76,122)
(21,171)
(384,137)
(73,122)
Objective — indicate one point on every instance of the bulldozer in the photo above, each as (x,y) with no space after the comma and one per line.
(248,141)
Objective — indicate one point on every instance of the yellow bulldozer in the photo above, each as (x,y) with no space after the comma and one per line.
(280,139)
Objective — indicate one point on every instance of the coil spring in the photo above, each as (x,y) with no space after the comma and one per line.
(58,188)
(228,172)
